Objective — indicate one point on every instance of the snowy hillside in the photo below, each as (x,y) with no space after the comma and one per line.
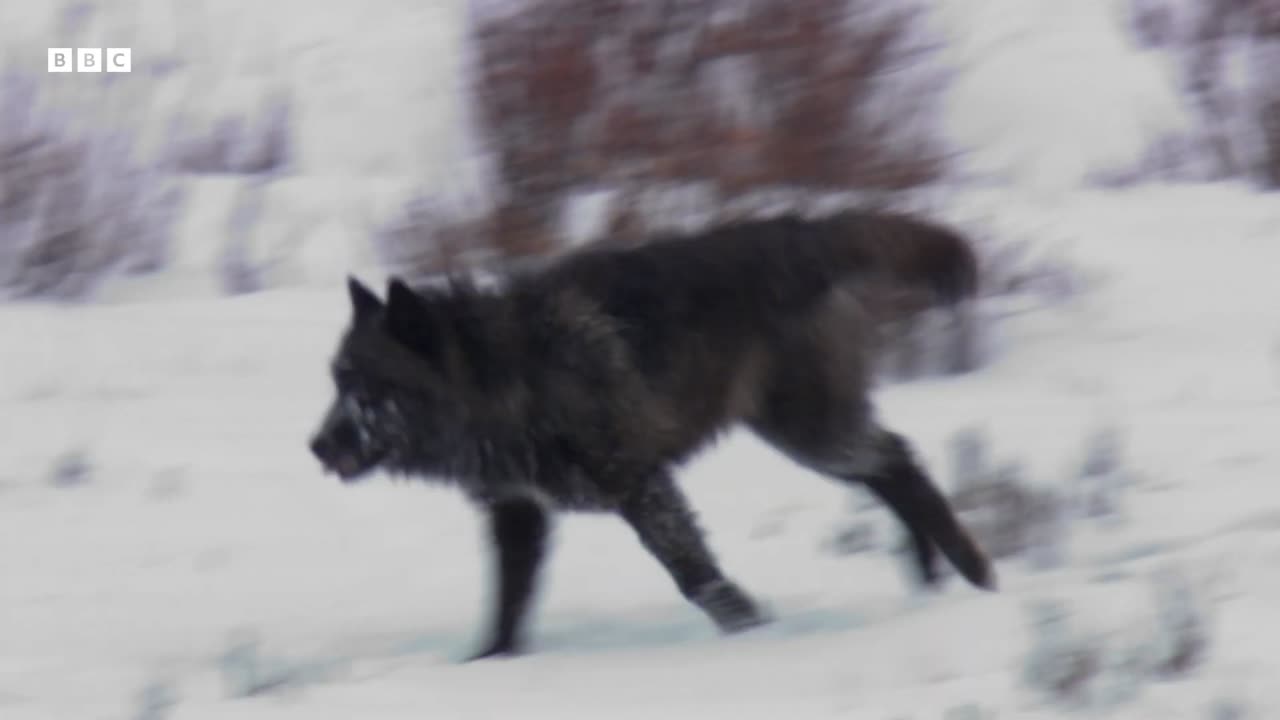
(379,111)
(158,507)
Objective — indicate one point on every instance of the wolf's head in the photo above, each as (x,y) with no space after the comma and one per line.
(393,407)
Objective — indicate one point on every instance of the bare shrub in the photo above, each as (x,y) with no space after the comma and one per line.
(572,94)
(1075,663)
(1183,624)
(430,237)
(1010,517)
(1062,661)
(1102,476)
(74,204)
(253,141)
(1225,51)
(1013,266)
(1007,515)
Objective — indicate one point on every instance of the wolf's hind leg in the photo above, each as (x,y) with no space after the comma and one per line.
(854,449)
(926,554)
(860,467)
(661,517)
(894,475)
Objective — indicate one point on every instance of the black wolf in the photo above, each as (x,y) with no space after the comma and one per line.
(583,385)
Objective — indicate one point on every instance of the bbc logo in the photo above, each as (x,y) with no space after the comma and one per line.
(90,60)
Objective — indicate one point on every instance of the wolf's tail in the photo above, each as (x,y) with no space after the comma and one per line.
(906,253)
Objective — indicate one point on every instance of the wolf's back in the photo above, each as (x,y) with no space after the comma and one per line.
(744,273)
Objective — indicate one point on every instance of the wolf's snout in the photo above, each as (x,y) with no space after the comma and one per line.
(327,452)
(322,448)
(339,458)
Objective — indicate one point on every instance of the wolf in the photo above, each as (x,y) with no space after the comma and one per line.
(584,385)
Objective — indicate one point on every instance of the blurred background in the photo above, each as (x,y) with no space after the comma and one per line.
(261,145)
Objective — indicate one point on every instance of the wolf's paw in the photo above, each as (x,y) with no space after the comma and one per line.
(978,570)
(494,651)
(730,608)
(747,622)
(985,577)
(971,561)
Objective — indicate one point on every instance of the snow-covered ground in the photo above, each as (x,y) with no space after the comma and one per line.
(158,509)
(161,520)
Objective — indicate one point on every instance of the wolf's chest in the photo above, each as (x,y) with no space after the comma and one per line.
(572,491)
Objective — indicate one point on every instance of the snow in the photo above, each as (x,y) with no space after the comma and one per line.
(197,523)
(202,517)
(1026,100)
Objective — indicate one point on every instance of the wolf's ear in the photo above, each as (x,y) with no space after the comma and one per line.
(399,291)
(363,302)
(403,308)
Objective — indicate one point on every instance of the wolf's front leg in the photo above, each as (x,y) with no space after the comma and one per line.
(518,530)
(661,517)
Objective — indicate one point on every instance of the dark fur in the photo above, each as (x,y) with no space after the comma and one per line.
(584,385)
